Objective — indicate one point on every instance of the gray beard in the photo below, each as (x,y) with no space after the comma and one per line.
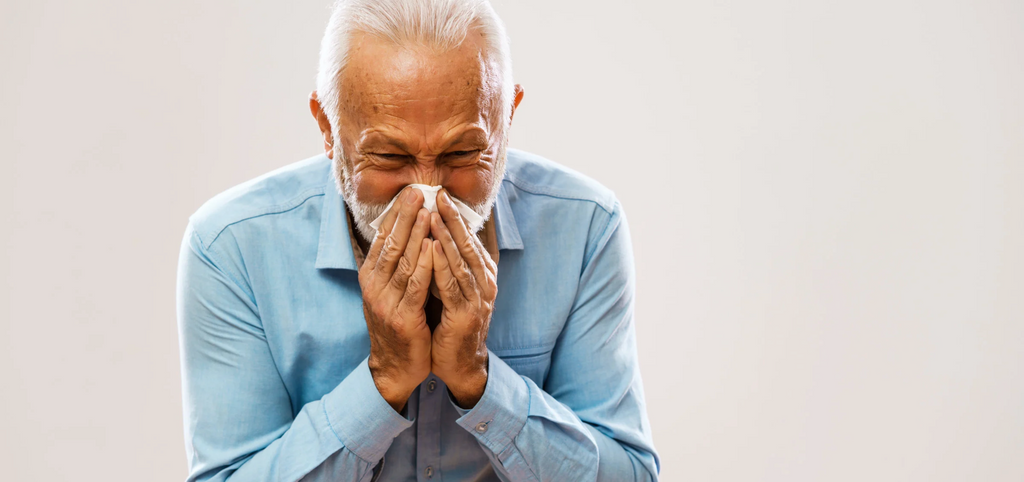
(365,213)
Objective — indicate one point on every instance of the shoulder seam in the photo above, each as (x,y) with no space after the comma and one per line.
(540,191)
(614,221)
(220,266)
(279,208)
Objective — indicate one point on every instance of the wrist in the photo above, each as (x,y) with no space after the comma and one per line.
(469,388)
(390,389)
(395,396)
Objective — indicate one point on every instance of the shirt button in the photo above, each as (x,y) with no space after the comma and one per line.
(429,472)
(481,427)
(431,386)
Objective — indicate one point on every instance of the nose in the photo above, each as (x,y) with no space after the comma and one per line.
(427,172)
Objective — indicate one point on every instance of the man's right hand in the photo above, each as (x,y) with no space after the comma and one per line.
(395,279)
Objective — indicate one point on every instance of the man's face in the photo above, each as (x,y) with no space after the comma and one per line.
(412,115)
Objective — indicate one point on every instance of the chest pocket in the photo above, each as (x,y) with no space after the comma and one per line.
(532,363)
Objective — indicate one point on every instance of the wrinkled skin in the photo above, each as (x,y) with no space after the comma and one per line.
(410,114)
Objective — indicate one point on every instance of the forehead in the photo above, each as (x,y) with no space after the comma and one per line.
(411,83)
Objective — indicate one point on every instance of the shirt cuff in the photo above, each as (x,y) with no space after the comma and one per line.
(360,417)
(500,414)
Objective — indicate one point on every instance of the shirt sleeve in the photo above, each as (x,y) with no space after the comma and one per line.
(589,422)
(239,422)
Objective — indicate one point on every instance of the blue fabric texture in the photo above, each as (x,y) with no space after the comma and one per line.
(274,345)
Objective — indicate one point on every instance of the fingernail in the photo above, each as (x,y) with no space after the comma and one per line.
(409,197)
(445,199)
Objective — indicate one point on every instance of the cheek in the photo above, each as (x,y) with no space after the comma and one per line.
(378,187)
(471,185)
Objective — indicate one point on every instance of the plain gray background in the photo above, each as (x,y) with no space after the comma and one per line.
(825,199)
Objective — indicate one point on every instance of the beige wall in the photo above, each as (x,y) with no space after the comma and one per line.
(826,201)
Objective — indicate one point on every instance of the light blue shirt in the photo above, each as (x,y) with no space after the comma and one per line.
(274,345)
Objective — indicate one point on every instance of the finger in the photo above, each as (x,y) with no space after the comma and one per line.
(485,255)
(447,285)
(382,233)
(464,240)
(478,245)
(488,284)
(455,262)
(407,264)
(419,283)
(395,243)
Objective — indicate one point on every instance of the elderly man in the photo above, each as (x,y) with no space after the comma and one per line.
(479,327)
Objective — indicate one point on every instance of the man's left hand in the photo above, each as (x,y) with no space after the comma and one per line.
(467,281)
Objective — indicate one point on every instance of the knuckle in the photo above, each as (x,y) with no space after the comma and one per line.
(389,244)
(378,311)
(390,250)
(409,210)
(398,282)
(467,246)
(467,277)
(401,277)
(384,247)
(461,268)
(412,287)
(414,284)
(380,238)
(451,286)
(404,267)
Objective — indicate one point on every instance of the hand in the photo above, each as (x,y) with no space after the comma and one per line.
(466,279)
(395,280)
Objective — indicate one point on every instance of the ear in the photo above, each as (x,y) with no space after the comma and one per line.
(323,122)
(516,99)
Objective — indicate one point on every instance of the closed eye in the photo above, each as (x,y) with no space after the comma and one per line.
(461,154)
(392,157)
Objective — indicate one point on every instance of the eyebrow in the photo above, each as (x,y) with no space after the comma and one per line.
(474,135)
(376,137)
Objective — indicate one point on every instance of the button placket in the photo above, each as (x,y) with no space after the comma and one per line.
(428,436)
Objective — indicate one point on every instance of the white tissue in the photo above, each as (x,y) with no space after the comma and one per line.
(472,219)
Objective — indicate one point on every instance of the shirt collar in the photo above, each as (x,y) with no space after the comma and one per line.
(334,250)
(505,221)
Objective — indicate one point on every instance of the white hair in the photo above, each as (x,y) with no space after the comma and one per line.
(439,24)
